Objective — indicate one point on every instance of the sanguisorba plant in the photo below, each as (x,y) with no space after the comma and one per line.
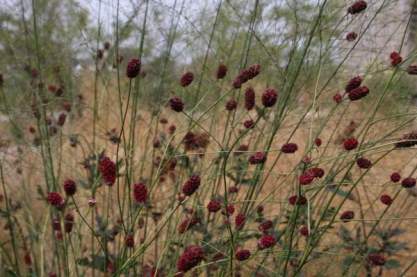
(255,156)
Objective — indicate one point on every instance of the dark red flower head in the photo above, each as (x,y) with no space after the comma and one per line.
(27,259)
(130,241)
(396,58)
(337,98)
(100,54)
(412,69)
(347,216)
(176,104)
(386,199)
(106,45)
(266,241)
(59,91)
(257,158)
(191,185)
(317,172)
(221,71)
(351,36)
(363,163)
(214,206)
(395,177)
(133,68)
(237,83)
(191,257)
(249,124)
(408,182)
(242,254)
(353,83)
(318,142)
(350,144)
(231,105)
(269,97)
(107,170)
(55,199)
(265,226)
(297,200)
(140,192)
(357,7)
(68,223)
(408,140)
(240,221)
(52,88)
(186,79)
(254,70)
(61,119)
(358,93)
(306,178)
(70,187)
(289,148)
(233,189)
(304,231)
(376,259)
(230,209)
(249,98)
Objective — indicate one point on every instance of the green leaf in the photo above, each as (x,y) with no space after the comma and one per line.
(392,263)
(97,262)
(347,262)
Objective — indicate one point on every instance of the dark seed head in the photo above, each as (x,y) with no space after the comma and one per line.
(191,185)
(289,148)
(242,254)
(249,98)
(408,182)
(269,97)
(221,71)
(191,257)
(231,105)
(176,104)
(363,163)
(257,158)
(133,68)
(266,241)
(351,36)
(186,79)
(357,7)
(358,93)
(347,216)
(70,187)
(395,177)
(350,144)
(140,192)
(386,199)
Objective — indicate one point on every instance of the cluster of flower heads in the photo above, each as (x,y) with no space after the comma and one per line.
(190,258)
(246,75)
(194,254)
